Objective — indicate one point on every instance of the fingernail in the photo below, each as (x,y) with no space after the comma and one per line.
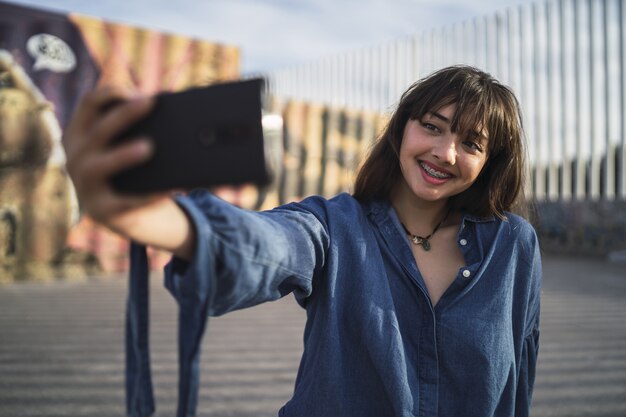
(144,147)
(139,100)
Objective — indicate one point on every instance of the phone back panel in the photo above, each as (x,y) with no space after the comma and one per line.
(203,137)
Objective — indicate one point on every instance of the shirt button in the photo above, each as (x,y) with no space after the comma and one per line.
(466,273)
(463,242)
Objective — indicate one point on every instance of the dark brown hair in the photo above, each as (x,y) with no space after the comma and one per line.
(482,103)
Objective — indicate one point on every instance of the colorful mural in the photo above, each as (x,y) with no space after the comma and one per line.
(47,62)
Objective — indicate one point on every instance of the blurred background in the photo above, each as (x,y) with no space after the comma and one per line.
(333,71)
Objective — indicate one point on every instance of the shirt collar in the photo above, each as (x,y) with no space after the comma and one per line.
(478,219)
(377,208)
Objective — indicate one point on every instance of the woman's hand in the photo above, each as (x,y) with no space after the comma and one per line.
(154,220)
(91,160)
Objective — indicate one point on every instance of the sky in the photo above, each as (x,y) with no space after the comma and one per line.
(275,34)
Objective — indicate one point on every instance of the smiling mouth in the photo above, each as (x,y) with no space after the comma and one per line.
(434,173)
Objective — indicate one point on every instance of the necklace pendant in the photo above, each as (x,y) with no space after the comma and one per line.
(423,241)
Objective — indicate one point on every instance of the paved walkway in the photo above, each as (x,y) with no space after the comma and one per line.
(61,349)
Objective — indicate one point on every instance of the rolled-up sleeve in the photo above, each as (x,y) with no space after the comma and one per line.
(243,258)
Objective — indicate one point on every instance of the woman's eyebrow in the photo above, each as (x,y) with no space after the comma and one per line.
(480,136)
(440,116)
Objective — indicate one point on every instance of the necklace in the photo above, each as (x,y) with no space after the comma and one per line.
(423,240)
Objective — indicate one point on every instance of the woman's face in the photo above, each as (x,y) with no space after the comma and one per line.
(436,163)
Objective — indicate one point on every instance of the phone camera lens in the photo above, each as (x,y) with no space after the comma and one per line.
(207,137)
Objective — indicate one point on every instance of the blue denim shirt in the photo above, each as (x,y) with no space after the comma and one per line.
(374,345)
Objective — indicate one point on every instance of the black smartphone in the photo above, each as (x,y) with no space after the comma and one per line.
(202,137)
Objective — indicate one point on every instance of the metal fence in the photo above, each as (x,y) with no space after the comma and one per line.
(565,59)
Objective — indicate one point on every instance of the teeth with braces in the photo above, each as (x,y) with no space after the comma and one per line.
(434,173)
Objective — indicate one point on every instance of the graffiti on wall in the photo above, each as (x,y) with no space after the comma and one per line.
(47,62)
(322,147)
(35,193)
(596,228)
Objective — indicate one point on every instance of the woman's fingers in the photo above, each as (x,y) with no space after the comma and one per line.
(114,160)
(91,173)
(117,119)
(90,108)
(102,115)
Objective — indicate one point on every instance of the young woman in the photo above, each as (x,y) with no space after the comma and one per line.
(421,288)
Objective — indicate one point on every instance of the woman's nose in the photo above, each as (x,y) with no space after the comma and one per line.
(445,151)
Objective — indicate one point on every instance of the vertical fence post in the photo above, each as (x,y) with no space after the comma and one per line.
(622,100)
(553,89)
(567,86)
(611,90)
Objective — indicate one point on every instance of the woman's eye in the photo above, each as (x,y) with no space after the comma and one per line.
(475,147)
(430,126)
